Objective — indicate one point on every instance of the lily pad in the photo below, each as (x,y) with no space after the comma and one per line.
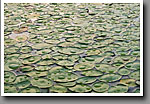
(100,87)
(71,51)
(65,63)
(118,89)
(9,77)
(45,62)
(133,65)
(25,49)
(37,73)
(135,75)
(26,68)
(83,66)
(124,71)
(110,77)
(80,88)
(41,46)
(92,73)
(11,50)
(67,84)
(41,82)
(63,76)
(10,88)
(30,90)
(12,65)
(86,80)
(128,82)
(106,68)
(43,51)
(42,68)
(22,81)
(94,59)
(93,52)
(31,60)
(58,89)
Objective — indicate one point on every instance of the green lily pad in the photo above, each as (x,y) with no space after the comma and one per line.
(22,81)
(63,76)
(94,59)
(136,91)
(106,68)
(22,56)
(35,40)
(135,53)
(27,68)
(58,89)
(9,77)
(59,57)
(46,56)
(52,41)
(46,62)
(83,66)
(10,88)
(31,60)
(21,78)
(37,73)
(9,42)
(73,58)
(43,51)
(59,69)
(41,82)
(118,89)
(66,44)
(93,52)
(124,59)
(11,50)
(41,46)
(124,71)
(86,80)
(65,63)
(80,88)
(25,49)
(42,68)
(110,77)
(71,51)
(128,82)
(92,73)
(133,65)
(100,87)
(22,84)
(135,75)
(67,84)
(12,65)
(30,90)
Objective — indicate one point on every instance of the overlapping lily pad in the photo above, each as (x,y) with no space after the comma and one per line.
(83,66)
(80,88)
(30,90)
(63,76)
(106,68)
(9,77)
(31,59)
(110,77)
(10,88)
(86,80)
(71,51)
(58,89)
(100,87)
(41,82)
(118,89)
(92,73)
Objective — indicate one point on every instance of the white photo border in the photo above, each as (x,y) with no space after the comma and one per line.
(72,94)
